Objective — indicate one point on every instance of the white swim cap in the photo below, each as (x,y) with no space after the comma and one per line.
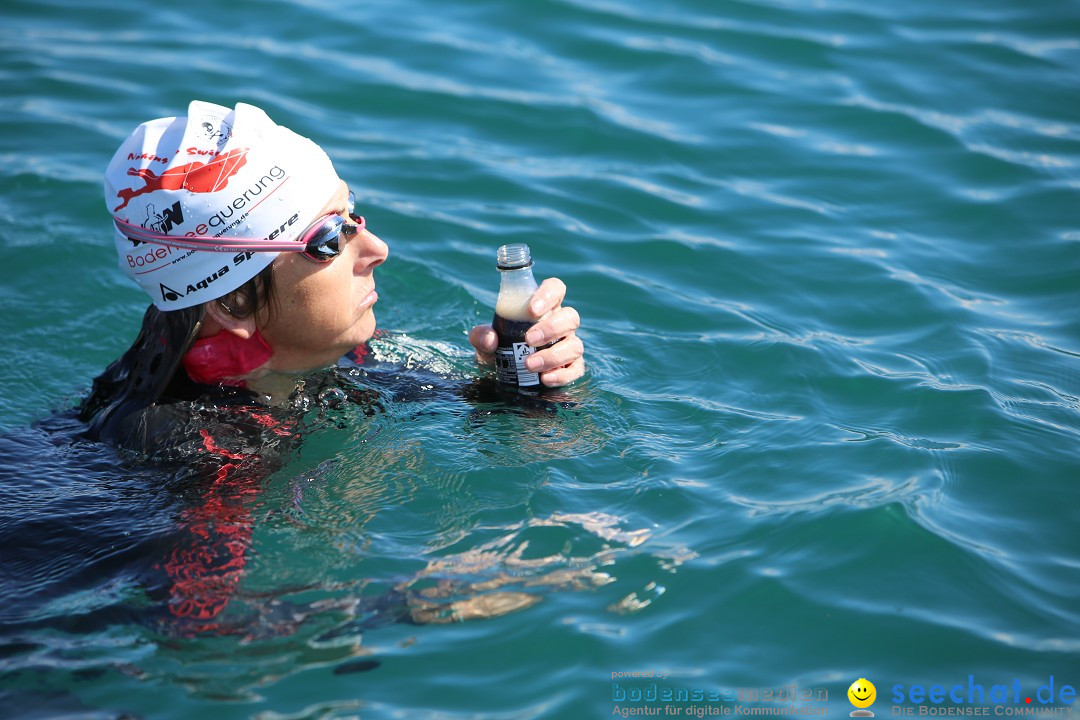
(217,173)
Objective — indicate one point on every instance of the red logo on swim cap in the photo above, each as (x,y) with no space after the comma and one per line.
(195,177)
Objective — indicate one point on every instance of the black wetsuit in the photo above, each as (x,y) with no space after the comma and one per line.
(224,441)
(201,454)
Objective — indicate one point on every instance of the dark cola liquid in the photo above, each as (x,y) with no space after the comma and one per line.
(510,355)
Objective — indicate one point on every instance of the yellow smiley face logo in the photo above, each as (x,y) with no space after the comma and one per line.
(862,693)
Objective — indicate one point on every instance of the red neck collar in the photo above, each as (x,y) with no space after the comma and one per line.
(223,359)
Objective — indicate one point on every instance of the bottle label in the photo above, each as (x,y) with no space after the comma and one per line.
(510,365)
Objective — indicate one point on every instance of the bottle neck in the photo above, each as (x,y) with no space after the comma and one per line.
(518,275)
(515,289)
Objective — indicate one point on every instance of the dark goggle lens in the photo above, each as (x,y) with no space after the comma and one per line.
(325,245)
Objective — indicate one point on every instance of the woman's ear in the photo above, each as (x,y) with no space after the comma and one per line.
(219,318)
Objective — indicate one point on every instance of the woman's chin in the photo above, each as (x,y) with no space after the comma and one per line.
(366,327)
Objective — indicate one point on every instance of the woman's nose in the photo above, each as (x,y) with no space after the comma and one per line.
(373,251)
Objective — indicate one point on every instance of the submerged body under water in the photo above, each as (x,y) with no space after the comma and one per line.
(96,535)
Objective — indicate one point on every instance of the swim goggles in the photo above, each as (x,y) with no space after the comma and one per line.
(320,242)
(321,239)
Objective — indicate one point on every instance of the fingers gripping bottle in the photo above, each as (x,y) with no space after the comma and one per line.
(512,318)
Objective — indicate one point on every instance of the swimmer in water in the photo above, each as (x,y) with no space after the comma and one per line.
(260,271)
(258,266)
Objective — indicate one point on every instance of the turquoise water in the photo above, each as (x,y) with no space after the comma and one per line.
(827,257)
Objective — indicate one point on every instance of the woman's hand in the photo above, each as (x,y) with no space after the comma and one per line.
(558,365)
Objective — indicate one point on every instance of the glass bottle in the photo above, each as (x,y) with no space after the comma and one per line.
(513,319)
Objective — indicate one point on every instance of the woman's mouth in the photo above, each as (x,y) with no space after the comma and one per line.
(370,299)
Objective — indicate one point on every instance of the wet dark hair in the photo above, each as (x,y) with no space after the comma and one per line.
(137,379)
